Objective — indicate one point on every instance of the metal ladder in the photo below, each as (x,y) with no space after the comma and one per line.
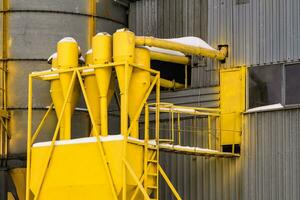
(151,162)
(151,172)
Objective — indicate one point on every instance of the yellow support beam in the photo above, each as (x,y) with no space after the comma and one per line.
(187,49)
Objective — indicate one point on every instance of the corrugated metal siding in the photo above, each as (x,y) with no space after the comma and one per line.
(270,155)
(257,32)
(169,18)
(199,177)
(175,18)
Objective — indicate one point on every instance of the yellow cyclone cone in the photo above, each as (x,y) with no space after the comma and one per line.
(102,54)
(123,51)
(67,57)
(56,91)
(139,84)
(92,92)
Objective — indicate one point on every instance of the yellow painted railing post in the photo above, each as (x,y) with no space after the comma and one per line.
(29,131)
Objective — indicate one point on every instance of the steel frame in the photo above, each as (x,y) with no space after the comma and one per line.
(79,73)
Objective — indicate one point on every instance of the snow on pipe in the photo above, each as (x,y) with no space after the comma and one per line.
(185,45)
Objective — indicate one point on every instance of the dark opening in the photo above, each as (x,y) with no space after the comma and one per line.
(172,71)
(292,84)
(265,85)
(228,148)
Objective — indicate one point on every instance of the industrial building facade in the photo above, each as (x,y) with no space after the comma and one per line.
(264,36)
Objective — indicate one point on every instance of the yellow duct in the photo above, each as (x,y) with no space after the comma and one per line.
(102,54)
(139,84)
(187,49)
(169,58)
(93,95)
(67,57)
(169,84)
(123,51)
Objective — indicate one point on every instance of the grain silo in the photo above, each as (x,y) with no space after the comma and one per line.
(27,27)
(189,120)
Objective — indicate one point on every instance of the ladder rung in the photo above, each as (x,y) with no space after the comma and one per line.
(151,186)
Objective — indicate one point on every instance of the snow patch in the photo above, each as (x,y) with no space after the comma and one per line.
(81,140)
(191,41)
(265,108)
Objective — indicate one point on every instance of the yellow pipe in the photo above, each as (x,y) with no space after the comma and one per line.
(139,84)
(102,54)
(123,51)
(93,95)
(67,57)
(187,49)
(169,58)
(169,84)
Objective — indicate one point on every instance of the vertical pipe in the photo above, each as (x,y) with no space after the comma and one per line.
(102,54)
(29,130)
(178,129)
(123,51)
(209,131)
(67,56)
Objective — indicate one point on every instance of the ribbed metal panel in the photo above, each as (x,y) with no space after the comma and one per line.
(205,97)
(175,18)
(270,155)
(169,18)
(199,177)
(257,32)
(33,29)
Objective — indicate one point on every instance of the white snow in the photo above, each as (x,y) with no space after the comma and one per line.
(68,39)
(121,137)
(186,148)
(89,51)
(192,41)
(102,33)
(265,108)
(88,70)
(80,140)
(54,55)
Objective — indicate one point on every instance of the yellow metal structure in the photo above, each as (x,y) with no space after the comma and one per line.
(123,51)
(169,58)
(67,57)
(155,42)
(102,54)
(19,178)
(170,84)
(92,93)
(232,104)
(138,86)
(104,166)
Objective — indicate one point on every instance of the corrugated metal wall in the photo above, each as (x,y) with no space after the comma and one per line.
(258,32)
(270,155)
(175,18)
